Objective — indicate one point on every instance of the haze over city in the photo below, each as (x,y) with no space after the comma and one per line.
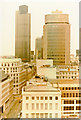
(38,10)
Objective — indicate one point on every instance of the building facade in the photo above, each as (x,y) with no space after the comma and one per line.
(41,101)
(56,38)
(23,34)
(15,69)
(39,48)
(70,97)
(6,92)
(67,72)
(46,68)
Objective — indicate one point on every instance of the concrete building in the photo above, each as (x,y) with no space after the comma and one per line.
(46,68)
(39,48)
(41,101)
(6,92)
(15,69)
(67,72)
(80,45)
(74,60)
(56,38)
(23,34)
(32,55)
(77,53)
(70,97)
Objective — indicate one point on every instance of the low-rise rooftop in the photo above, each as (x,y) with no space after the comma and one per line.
(36,88)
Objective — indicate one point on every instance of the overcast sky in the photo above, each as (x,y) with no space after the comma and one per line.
(38,10)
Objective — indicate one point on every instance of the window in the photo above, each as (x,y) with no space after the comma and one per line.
(46,106)
(76,94)
(56,115)
(56,106)
(37,98)
(69,108)
(50,106)
(27,98)
(78,107)
(56,98)
(46,98)
(41,115)
(50,115)
(79,94)
(46,115)
(33,98)
(37,106)
(78,101)
(27,106)
(37,115)
(50,98)
(41,98)
(41,106)
(33,115)
(32,106)
(26,115)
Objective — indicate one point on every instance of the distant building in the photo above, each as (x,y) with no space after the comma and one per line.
(6,92)
(23,34)
(67,72)
(56,38)
(77,53)
(80,45)
(41,101)
(46,68)
(32,55)
(39,48)
(15,69)
(74,60)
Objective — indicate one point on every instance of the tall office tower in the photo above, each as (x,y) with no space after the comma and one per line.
(77,53)
(56,38)
(23,33)
(80,45)
(39,48)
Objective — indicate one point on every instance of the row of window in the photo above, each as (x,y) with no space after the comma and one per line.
(72,101)
(42,106)
(7,64)
(72,107)
(41,115)
(63,77)
(71,95)
(42,98)
(68,73)
(70,88)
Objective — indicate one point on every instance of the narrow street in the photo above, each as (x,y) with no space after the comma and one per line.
(15,110)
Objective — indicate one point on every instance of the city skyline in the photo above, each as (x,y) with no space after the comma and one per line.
(37,22)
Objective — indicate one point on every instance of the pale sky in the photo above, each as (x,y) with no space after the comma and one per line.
(38,10)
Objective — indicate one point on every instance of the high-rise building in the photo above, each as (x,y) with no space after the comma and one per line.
(39,48)
(23,33)
(56,38)
(77,52)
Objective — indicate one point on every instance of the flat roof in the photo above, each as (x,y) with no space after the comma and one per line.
(35,88)
(5,60)
(65,81)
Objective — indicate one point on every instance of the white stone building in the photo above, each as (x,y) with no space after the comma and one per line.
(41,101)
